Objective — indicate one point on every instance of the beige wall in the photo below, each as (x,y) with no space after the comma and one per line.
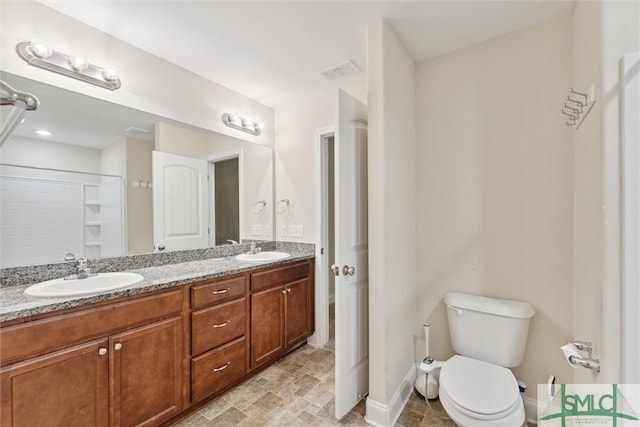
(113,159)
(295,162)
(139,199)
(495,187)
(603,32)
(47,154)
(392,208)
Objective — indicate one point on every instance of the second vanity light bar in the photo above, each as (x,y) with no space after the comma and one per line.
(240,123)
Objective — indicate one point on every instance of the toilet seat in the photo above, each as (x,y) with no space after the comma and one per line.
(479,391)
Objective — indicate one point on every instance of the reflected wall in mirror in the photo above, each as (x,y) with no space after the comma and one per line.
(89,188)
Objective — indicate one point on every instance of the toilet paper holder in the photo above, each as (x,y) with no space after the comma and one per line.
(583,346)
(585,362)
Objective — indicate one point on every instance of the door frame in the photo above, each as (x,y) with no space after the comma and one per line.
(630,207)
(211,160)
(321,334)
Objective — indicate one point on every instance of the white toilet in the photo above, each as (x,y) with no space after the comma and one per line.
(489,336)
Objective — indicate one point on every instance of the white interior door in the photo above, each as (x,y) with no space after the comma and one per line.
(180,202)
(351,293)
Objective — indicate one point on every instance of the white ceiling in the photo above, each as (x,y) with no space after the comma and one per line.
(273,52)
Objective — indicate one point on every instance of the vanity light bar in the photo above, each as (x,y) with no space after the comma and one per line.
(38,54)
(240,123)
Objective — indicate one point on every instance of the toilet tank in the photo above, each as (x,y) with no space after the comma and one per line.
(489,329)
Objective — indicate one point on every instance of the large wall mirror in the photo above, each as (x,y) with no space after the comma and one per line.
(110,180)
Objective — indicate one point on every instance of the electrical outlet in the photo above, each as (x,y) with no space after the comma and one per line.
(256,230)
(267,229)
(296,231)
(283,230)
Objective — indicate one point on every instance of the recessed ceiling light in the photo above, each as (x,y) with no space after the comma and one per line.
(43,132)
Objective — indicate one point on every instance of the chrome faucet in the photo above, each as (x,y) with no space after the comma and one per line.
(233,242)
(82,270)
(254,248)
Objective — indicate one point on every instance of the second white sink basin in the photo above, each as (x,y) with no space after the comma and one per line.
(266,256)
(103,282)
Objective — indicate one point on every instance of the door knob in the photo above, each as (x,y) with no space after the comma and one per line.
(335,269)
(118,346)
(348,271)
(102,351)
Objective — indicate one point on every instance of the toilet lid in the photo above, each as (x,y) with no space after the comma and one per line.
(479,387)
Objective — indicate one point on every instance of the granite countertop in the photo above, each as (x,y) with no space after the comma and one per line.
(15,305)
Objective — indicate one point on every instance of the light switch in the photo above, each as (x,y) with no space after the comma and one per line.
(256,230)
(296,231)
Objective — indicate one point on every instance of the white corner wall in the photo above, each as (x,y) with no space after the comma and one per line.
(604,31)
(392,203)
(495,187)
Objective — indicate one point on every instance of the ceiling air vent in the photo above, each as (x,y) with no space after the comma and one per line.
(137,131)
(341,72)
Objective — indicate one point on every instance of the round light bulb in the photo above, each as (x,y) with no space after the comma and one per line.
(259,126)
(78,63)
(39,49)
(248,124)
(110,74)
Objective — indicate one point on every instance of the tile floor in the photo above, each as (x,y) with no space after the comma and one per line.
(298,390)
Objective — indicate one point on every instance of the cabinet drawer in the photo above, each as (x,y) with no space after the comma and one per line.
(278,276)
(214,326)
(218,291)
(213,371)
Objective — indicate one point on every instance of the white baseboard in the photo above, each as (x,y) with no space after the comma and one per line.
(532,408)
(381,415)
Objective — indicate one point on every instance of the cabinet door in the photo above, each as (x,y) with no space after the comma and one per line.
(267,325)
(146,374)
(297,312)
(65,388)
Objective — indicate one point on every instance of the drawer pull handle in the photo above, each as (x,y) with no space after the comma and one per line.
(222,368)
(222,291)
(222,325)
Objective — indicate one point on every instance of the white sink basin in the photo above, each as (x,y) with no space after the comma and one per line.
(103,282)
(266,256)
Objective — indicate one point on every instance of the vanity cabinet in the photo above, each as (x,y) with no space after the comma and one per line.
(281,310)
(219,330)
(131,375)
(149,360)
